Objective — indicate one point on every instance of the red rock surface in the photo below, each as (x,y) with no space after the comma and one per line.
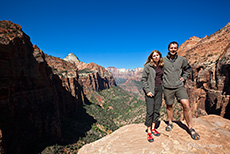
(209,84)
(214,131)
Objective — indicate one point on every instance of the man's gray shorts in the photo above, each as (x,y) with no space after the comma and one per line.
(171,93)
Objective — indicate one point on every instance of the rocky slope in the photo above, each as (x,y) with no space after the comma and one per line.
(209,83)
(131,139)
(91,76)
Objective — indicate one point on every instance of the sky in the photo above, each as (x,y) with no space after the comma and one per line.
(114,33)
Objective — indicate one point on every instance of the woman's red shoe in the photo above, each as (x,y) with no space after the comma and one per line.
(150,137)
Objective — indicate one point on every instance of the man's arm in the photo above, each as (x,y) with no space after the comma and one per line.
(186,69)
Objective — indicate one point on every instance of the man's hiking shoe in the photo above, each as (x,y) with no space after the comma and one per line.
(169,127)
(150,137)
(155,132)
(194,134)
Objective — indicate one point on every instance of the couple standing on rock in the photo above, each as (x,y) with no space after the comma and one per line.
(166,75)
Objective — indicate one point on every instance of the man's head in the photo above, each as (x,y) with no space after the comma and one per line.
(173,47)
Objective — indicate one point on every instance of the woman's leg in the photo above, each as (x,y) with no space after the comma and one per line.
(149,111)
(149,117)
(157,104)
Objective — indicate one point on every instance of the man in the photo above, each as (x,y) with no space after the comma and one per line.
(176,71)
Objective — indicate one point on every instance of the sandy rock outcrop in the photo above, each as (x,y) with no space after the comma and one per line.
(132,139)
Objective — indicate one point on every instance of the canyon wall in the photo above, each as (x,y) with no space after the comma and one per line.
(209,83)
(32,98)
(28,108)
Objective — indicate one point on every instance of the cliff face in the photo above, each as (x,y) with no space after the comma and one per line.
(32,98)
(28,110)
(209,83)
(91,76)
(213,130)
(68,75)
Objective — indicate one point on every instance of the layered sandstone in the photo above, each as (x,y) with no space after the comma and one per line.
(209,85)
(91,76)
(131,139)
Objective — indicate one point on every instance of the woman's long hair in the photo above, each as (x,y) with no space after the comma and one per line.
(150,59)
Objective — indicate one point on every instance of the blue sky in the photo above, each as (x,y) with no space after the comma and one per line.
(119,33)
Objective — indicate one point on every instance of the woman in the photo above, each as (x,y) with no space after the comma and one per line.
(152,86)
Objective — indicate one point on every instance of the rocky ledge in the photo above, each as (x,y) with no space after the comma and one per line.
(214,131)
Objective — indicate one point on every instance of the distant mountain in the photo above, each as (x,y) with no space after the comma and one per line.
(125,74)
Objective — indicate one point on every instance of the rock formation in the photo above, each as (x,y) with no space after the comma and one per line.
(214,131)
(91,76)
(27,110)
(209,83)
(32,98)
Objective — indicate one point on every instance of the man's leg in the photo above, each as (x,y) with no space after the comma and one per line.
(188,118)
(169,96)
(169,111)
(187,112)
